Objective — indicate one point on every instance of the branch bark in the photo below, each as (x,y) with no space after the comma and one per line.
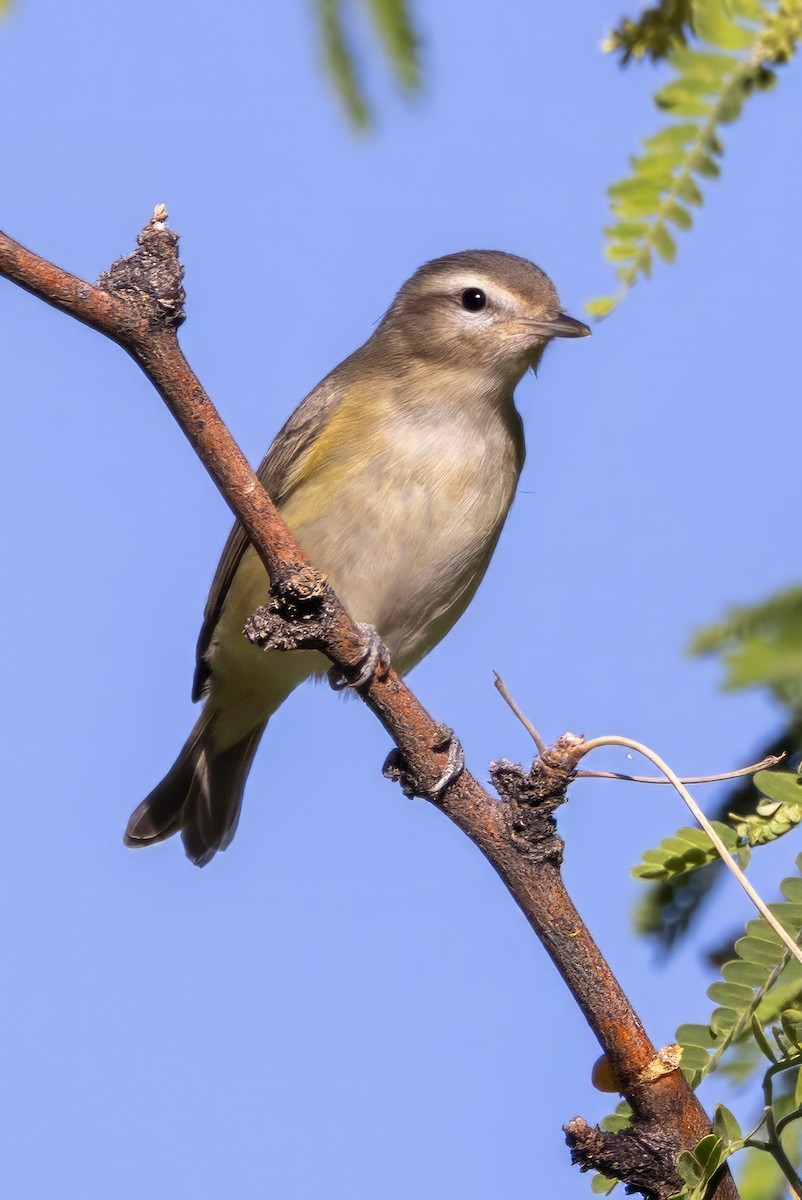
(138,303)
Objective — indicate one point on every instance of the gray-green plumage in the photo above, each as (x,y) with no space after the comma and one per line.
(396,475)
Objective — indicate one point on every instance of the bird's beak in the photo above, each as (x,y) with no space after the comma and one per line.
(560,326)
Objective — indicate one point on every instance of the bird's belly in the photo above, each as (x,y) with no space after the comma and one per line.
(408,558)
(405,542)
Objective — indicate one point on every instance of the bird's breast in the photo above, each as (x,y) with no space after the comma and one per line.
(404,519)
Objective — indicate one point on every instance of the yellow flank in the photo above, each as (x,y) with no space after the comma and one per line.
(355,425)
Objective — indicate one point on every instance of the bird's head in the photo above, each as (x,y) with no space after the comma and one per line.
(483,309)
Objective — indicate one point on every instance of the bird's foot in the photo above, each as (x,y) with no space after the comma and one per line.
(397,769)
(375,660)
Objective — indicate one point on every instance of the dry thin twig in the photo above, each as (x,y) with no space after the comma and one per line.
(771,760)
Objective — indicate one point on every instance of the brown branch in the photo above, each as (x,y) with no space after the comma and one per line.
(138,304)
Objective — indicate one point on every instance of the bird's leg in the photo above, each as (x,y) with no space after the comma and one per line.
(397,769)
(375,658)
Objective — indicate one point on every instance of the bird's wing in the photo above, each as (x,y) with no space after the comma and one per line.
(278,473)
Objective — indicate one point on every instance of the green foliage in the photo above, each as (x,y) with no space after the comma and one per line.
(686,850)
(392,23)
(777,812)
(655,33)
(760,1178)
(602,1185)
(760,644)
(735,46)
(757,1014)
(698,1167)
(760,986)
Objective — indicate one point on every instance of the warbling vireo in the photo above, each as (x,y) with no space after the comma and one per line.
(396,475)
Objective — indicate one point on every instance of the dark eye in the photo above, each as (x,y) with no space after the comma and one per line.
(474,299)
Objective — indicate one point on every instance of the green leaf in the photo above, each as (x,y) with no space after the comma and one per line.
(666,247)
(635,188)
(619,1120)
(659,166)
(703,64)
(695,1063)
(400,43)
(762,1041)
(626,230)
(399,38)
(695,1035)
(672,135)
(688,191)
(340,61)
(712,26)
(792,889)
(687,850)
(733,995)
(620,251)
(767,952)
(704,165)
(751,974)
(783,786)
(725,1124)
(679,102)
(689,1170)
(723,1021)
(678,215)
(602,1185)
(600,306)
(786,993)
(791,1021)
(729,108)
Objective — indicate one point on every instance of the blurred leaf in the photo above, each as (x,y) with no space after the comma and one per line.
(760,644)
(600,306)
(656,31)
(398,38)
(339,59)
(678,215)
(394,25)
(760,1178)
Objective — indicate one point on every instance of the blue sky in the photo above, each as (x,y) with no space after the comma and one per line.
(347,1003)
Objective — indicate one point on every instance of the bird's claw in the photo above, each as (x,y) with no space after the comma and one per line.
(455,763)
(397,769)
(375,660)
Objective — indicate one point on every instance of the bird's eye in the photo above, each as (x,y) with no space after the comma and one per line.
(474,299)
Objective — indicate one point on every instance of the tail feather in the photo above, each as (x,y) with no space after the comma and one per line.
(201,795)
(210,813)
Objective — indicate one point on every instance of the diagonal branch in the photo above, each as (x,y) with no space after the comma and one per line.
(138,304)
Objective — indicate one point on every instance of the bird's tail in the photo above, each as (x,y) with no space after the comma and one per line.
(201,795)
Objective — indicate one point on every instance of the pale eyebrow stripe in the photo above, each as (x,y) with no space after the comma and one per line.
(466,279)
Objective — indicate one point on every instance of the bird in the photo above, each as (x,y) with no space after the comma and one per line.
(395,474)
